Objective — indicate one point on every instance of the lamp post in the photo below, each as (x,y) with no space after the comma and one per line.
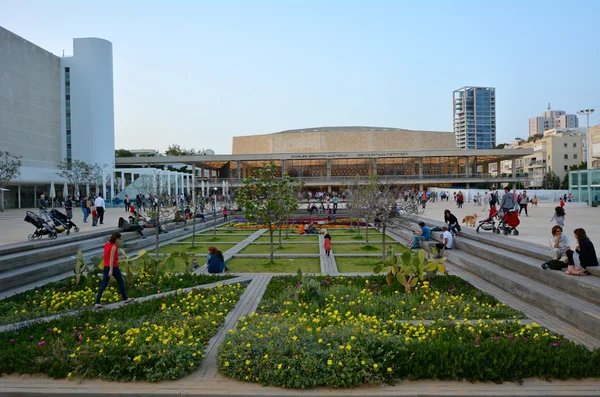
(215,214)
(587,113)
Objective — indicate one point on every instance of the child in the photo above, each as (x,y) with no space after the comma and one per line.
(195,263)
(561,203)
(559,216)
(327,244)
(94,216)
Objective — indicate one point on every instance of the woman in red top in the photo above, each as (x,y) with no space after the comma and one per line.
(111,268)
(327,244)
(225,213)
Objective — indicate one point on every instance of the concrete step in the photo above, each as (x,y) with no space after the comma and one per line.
(583,314)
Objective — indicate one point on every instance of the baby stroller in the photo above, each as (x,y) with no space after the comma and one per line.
(61,220)
(43,228)
(489,224)
(509,222)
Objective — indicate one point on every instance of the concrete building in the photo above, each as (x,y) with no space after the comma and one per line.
(343,139)
(595,134)
(474,117)
(552,119)
(557,150)
(54,108)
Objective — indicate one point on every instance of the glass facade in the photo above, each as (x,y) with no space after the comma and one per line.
(584,183)
(475,118)
(68,112)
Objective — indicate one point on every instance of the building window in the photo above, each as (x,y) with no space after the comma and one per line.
(566,168)
(566,146)
(566,156)
(548,157)
(574,144)
(575,156)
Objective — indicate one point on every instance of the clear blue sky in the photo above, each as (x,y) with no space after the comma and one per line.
(197,73)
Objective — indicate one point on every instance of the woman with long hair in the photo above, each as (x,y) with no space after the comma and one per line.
(585,249)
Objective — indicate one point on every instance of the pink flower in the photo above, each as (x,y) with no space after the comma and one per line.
(554,344)
(11,341)
(42,343)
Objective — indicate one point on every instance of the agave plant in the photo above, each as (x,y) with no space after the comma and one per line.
(80,268)
(412,267)
(309,291)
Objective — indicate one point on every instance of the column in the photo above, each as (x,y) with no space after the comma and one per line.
(283,168)
(87,189)
(374,170)
(514,167)
(194,182)
(467,166)
(122,180)
(169,183)
(498,169)
(328,169)
(239,168)
(35,196)
(176,183)
(19,194)
(421,169)
(112,185)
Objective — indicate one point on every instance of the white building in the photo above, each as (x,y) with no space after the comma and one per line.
(552,119)
(54,108)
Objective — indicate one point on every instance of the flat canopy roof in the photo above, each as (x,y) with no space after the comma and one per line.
(219,160)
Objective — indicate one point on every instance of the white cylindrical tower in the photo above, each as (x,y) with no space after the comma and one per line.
(92,119)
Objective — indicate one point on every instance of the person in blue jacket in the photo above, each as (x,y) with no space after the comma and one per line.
(215,260)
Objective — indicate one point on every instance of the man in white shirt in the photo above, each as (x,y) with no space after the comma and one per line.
(99,203)
(447,239)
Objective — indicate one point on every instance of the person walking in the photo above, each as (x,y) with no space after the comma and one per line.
(460,199)
(84,208)
(327,244)
(99,203)
(111,269)
(523,202)
(127,203)
(508,201)
(43,203)
(559,216)
(424,199)
(69,207)
(225,214)
(486,200)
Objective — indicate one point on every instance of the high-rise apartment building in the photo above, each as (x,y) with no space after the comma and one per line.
(475,117)
(552,119)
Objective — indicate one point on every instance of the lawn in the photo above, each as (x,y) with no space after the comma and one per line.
(286,249)
(221,231)
(162,338)
(362,249)
(234,238)
(349,331)
(281,265)
(352,265)
(292,237)
(198,249)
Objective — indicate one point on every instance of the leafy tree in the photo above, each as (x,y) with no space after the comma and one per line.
(76,172)
(501,146)
(123,153)
(551,180)
(268,198)
(10,168)
(176,150)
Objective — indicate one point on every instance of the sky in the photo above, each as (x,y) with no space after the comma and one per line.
(197,73)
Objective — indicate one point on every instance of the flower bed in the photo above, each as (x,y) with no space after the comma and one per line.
(64,296)
(162,338)
(357,333)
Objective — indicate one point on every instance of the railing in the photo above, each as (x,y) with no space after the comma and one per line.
(350,179)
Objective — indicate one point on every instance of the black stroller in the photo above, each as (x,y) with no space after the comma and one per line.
(61,219)
(43,227)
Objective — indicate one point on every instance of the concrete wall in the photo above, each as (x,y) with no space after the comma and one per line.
(343,140)
(30,119)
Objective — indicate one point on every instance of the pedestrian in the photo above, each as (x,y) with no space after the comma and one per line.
(69,207)
(508,201)
(327,244)
(225,214)
(127,203)
(486,200)
(561,202)
(559,216)
(43,203)
(84,208)
(99,203)
(523,202)
(94,216)
(460,199)
(335,202)
(111,269)
(424,199)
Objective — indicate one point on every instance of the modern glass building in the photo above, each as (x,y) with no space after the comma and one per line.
(583,183)
(475,117)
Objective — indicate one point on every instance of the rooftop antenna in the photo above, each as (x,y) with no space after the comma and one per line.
(549,107)
(63,53)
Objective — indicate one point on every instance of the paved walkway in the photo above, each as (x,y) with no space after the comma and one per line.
(535,228)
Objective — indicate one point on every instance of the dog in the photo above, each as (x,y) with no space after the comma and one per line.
(470,220)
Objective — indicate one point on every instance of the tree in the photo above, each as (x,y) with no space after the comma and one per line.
(501,146)
(358,202)
(123,153)
(268,198)
(176,150)
(98,176)
(10,168)
(76,172)
(385,206)
(551,180)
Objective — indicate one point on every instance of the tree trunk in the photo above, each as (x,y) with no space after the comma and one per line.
(271,240)
(194,227)
(367,233)
(383,242)
(286,228)
(157,230)
(280,236)
(358,224)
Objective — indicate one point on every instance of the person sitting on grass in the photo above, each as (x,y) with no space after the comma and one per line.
(215,260)
(310,229)
(423,235)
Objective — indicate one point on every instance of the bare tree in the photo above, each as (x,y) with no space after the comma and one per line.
(76,172)
(10,168)
(383,204)
(97,176)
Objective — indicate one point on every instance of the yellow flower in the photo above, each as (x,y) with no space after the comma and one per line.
(375,366)
(389,369)
(137,359)
(69,375)
(227,363)
(266,356)
(279,366)
(329,362)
